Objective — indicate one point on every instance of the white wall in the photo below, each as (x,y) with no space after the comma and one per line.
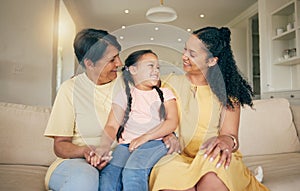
(239,46)
(67,32)
(26,51)
(168,43)
(240,40)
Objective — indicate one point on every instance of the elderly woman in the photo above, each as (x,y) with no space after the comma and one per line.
(80,112)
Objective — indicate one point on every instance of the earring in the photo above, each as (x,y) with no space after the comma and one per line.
(125,68)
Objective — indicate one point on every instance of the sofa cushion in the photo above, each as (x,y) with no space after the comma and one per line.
(21,135)
(22,177)
(281,171)
(268,128)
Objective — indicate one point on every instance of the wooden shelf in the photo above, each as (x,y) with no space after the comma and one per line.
(286,35)
(290,61)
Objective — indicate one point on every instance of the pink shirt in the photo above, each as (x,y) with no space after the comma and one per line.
(144,114)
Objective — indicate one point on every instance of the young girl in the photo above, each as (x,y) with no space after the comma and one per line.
(141,116)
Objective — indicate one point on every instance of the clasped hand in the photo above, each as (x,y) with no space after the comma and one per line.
(218,146)
(98,157)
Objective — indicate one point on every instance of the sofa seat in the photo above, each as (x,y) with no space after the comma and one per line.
(281,171)
(22,177)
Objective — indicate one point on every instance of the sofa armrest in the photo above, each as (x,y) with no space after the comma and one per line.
(296,117)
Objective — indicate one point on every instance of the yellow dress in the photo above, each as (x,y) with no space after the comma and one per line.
(199,120)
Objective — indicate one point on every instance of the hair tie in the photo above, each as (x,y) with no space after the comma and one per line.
(125,68)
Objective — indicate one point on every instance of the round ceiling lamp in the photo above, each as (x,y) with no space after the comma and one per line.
(161,14)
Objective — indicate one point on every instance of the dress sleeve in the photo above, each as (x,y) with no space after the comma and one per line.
(62,118)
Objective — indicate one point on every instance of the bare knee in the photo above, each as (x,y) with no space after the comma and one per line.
(191,189)
(210,176)
(210,181)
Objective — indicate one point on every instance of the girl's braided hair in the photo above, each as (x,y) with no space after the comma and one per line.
(224,78)
(131,60)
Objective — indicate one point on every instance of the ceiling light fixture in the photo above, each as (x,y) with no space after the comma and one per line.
(161,14)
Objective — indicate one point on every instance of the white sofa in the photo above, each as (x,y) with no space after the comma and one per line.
(268,138)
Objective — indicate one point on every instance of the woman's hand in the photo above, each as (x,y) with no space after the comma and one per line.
(100,157)
(88,152)
(64,148)
(172,143)
(221,145)
(99,162)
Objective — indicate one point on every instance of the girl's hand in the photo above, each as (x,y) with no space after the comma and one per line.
(221,145)
(135,143)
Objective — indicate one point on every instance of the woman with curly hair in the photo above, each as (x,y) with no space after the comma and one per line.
(209,95)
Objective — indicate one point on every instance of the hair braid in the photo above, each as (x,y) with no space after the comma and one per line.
(127,78)
(162,109)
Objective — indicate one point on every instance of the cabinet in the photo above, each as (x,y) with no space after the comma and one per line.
(293,97)
(279,29)
(286,34)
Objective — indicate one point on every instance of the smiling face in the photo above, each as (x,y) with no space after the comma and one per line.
(145,72)
(104,70)
(196,57)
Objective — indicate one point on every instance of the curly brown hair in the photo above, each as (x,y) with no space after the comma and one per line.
(224,78)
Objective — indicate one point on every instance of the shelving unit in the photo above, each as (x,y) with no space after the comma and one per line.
(285,34)
(280,35)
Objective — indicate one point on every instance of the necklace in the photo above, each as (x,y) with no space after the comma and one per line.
(196,80)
